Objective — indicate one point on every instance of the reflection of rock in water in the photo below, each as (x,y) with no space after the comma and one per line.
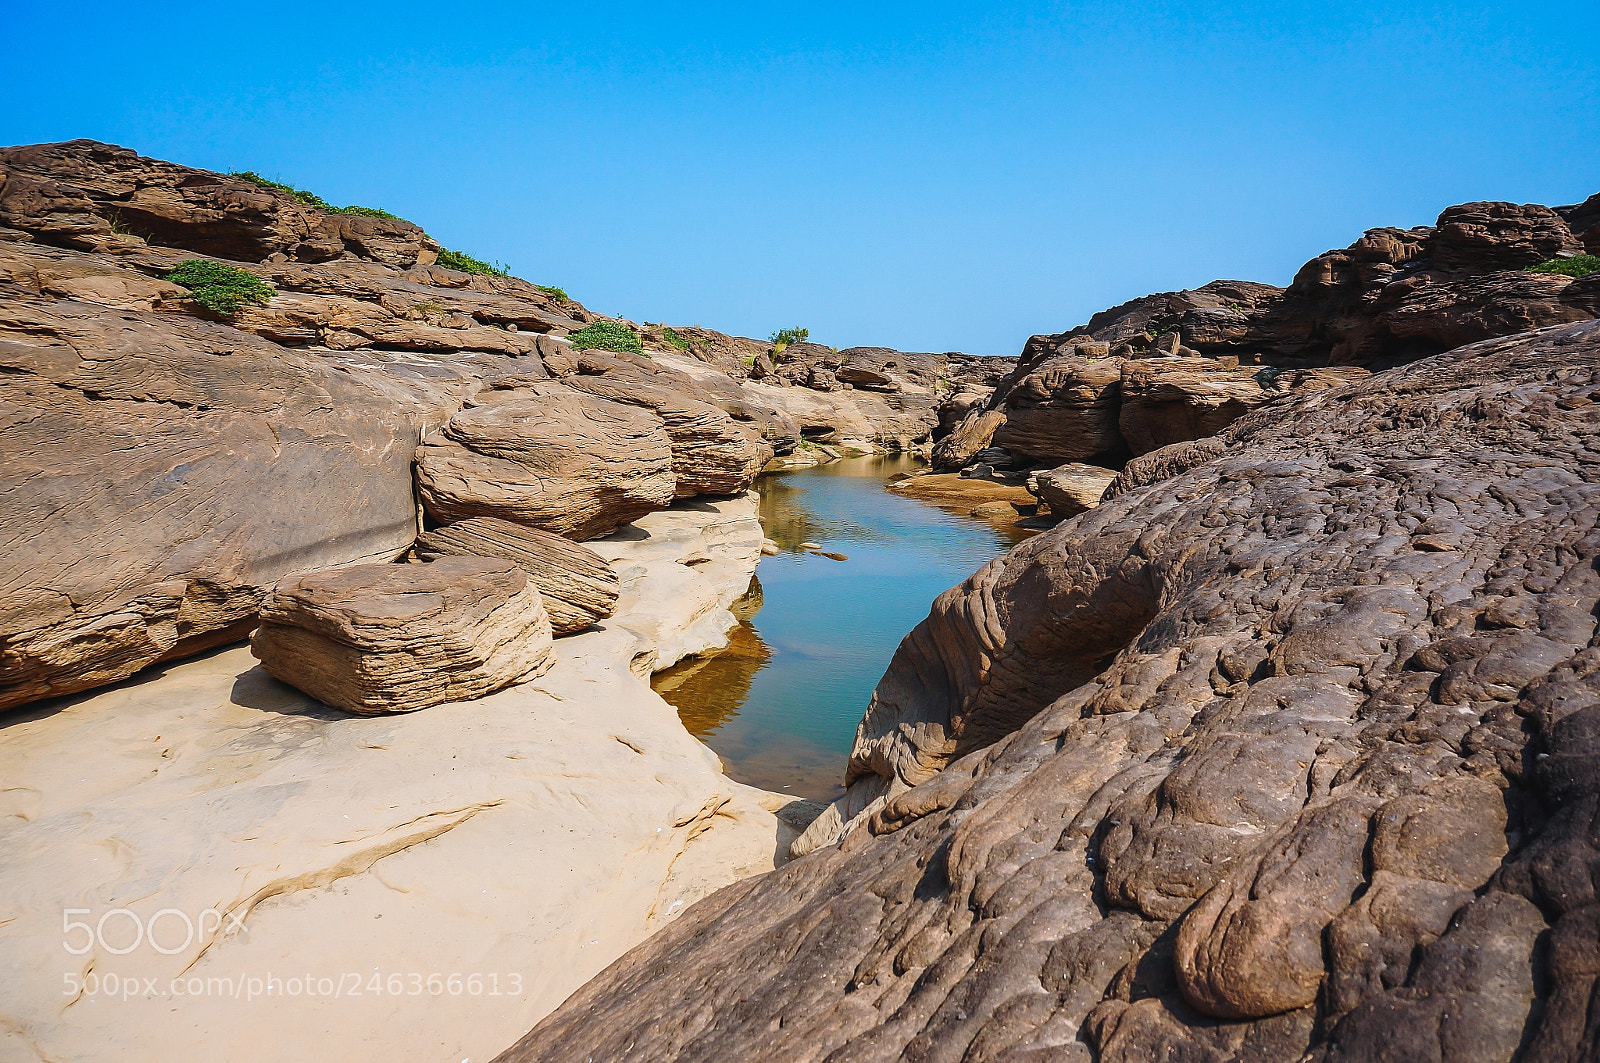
(710,691)
(788,523)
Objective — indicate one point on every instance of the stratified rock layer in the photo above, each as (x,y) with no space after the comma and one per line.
(1289,752)
(575,583)
(568,463)
(394,638)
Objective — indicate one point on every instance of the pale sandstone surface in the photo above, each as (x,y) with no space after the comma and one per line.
(539,831)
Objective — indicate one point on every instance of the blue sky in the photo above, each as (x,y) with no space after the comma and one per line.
(929,177)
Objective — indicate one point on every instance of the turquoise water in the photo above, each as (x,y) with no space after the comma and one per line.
(781,704)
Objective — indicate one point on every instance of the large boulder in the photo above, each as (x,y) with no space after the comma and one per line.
(1065,410)
(1482,237)
(973,435)
(568,463)
(1288,755)
(1070,489)
(163,471)
(576,584)
(395,638)
(712,454)
(1168,400)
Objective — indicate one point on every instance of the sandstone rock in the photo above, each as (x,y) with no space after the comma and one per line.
(712,454)
(70,194)
(1169,400)
(1289,754)
(1064,411)
(972,435)
(394,638)
(1497,236)
(1070,489)
(164,471)
(575,584)
(564,462)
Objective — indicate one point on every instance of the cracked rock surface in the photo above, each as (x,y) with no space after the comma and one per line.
(1286,750)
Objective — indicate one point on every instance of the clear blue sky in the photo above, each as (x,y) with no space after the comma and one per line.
(922,176)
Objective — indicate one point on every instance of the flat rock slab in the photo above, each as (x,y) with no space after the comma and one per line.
(577,585)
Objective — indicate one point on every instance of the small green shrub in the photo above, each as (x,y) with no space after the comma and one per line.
(311,199)
(788,337)
(559,293)
(1577,266)
(675,340)
(607,336)
(220,289)
(464,262)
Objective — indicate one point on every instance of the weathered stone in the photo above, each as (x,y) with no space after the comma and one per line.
(395,638)
(575,583)
(1064,411)
(1168,400)
(1286,751)
(565,462)
(1070,489)
(971,436)
(1484,237)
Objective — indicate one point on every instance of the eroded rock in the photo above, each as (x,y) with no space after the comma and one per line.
(1287,750)
(396,638)
(575,584)
(565,462)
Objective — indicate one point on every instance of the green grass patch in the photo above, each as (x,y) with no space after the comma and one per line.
(220,289)
(1577,266)
(675,340)
(607,336)
(460,260)
(788,337)
(559,293)
(311,199)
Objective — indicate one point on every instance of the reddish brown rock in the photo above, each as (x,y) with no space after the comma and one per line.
(1063,411)
(1286,753)
(396,638)
(1070,489)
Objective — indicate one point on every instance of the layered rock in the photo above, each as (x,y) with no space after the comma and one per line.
(1072,488)
(574,808)
(396,638)
(575,584)
(131,439)
(1284,755)
(1065,410)
(561,461)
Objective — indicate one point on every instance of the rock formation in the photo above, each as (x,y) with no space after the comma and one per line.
(1393,296)
(1282,752)
(172,463)
(1072,488)
(575,584)
(568,463)
(395,638)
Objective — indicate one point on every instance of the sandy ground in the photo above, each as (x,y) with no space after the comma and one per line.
(204,863)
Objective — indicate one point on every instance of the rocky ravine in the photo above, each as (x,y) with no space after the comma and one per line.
(174,472)
(1285,750)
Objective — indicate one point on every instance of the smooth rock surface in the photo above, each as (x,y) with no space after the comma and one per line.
(561,461)
(1288,755)
(396,638)
(576,584)
(513,846)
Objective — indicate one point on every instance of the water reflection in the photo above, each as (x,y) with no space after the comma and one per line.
(780,706)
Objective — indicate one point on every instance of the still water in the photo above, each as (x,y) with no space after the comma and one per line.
(781,704)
